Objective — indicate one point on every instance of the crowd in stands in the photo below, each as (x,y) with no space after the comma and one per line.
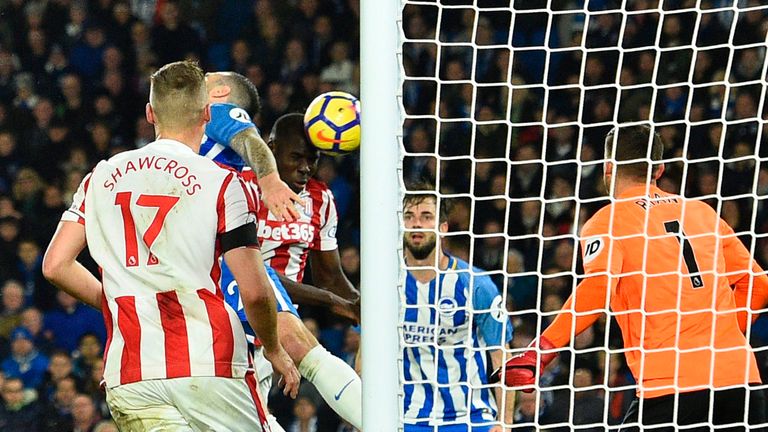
(74,79)
(527,141)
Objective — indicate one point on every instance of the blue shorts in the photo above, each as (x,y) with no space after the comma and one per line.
(446,428)
(232,295)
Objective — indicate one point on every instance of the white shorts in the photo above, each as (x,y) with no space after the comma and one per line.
(189,404)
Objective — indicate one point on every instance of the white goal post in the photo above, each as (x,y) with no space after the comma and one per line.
(380,208)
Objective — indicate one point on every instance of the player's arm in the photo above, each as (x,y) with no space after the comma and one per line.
(312,295)
(277,196)
(324,253)
(743,272)
(327,273)
(61,268)
(505,399)
(586,304)
(579,312)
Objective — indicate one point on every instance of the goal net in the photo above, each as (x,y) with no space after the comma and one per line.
(505,109)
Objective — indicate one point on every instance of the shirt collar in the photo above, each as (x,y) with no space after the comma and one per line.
(174,144)
(640,191)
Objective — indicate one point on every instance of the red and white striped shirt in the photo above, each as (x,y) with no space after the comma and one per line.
(152,219)
(286,245)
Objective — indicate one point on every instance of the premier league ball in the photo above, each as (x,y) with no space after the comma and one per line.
(332,122)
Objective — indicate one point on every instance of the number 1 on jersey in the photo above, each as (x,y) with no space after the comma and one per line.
(163,203)
(673,227)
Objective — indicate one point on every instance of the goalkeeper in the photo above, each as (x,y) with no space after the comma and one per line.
(674,274)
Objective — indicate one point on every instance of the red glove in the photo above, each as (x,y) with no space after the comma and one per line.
(520,370)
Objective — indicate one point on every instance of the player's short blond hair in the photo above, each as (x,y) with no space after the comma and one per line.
(178,95)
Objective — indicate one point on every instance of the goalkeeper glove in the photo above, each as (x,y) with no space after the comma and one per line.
(520,370)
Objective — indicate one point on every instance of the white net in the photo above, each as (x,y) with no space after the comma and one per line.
(506,106)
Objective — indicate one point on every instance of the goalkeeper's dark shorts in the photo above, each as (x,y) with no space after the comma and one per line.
(693,408)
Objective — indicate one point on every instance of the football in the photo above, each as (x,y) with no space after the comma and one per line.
(332,122)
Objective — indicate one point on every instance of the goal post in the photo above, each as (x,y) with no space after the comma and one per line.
(380,207)
(506,106)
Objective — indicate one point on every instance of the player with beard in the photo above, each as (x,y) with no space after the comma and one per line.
(446,383)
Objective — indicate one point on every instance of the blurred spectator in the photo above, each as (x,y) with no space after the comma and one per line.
(10,161)
(84,414)
(305,412)
(19,412)
(587,405)
(87,53)
(619,400)
(521,288)
(490,254)
(92,387)
(74,105)
(13,304)
(44,225)
(29,272)
(342,191)
(25,362)
(75,27)
(9,64)
(750,27)
(89,353)
(351,345)
(59,368)
(27,191)
(295,64)
(71,320)
(32,320)
(57,414)
(9,237)
(339,72)
(172,38)
(526,411)
(240,56)
(350,263)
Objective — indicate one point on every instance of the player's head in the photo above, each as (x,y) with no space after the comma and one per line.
(296,157)
(632,154)
(420,212)
(233,88)
(177,98)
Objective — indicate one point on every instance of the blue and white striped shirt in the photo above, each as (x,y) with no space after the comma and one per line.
(449,325)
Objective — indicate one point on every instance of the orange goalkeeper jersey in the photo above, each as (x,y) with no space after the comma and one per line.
(670,263)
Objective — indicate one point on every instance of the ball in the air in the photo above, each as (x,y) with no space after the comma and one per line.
(332,122)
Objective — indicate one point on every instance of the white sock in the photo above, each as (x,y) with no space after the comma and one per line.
(336,382)
(273,425)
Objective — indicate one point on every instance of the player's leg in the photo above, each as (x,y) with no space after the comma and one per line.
(758,408)
(145,407)
(692,408)
(219,404)
(652,411)
(335,380)
(729,408)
